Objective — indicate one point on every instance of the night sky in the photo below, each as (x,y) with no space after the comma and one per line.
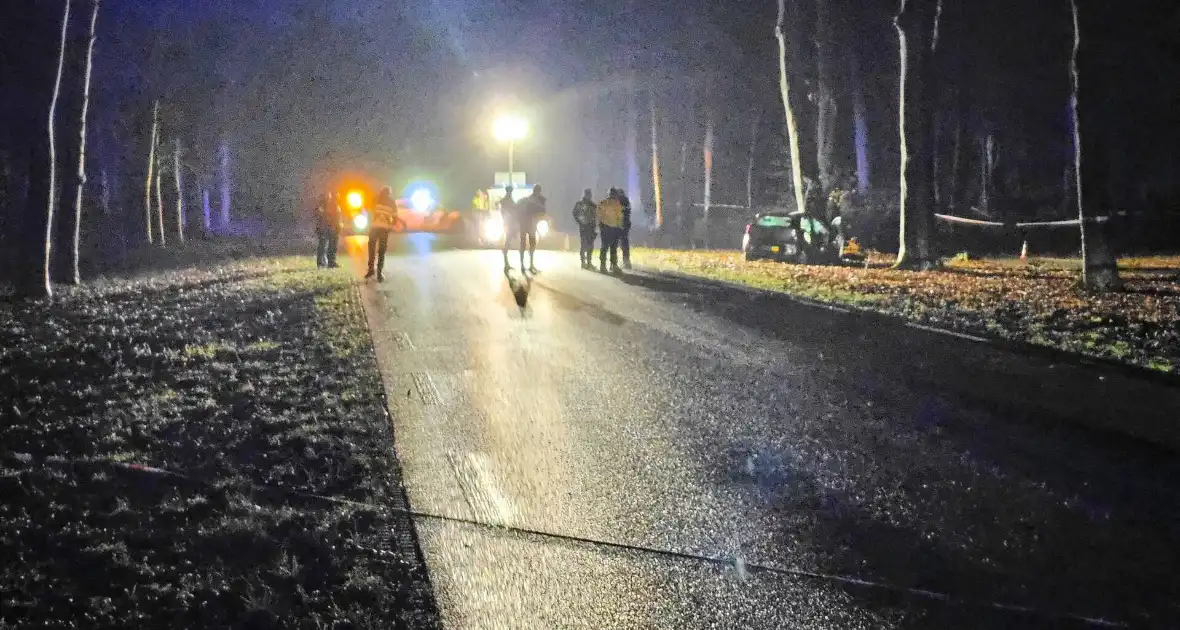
(410,91)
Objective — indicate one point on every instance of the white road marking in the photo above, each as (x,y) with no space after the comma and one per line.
(950,333)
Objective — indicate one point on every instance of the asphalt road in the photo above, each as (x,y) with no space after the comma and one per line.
(644,452)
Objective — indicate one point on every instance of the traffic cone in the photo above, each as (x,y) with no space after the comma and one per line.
(1024,251)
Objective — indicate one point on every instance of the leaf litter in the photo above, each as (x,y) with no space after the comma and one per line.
(1039,301)
(258,372)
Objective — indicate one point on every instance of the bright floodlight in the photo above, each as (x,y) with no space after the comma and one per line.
(421,200)
(361,221)
(542,228)
(355,200)
(510,128)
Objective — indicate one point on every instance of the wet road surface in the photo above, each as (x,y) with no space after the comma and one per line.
(644,452)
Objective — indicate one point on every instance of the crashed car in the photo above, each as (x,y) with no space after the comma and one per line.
(797,237)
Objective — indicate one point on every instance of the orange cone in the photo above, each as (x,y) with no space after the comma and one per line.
(1024,250)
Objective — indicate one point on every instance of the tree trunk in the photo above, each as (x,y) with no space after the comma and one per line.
(655,163)
(860,129)
(226,181)
(825,136)
(785,92)
(179,181)
(708,178)
(954,187)
(750,162)
(682,193)
(206,212)
(632,145)
(151,170)
(916,23)
(47,282)
(75,254)
(160,206)
(105,194)
(987,173)
(1099,268)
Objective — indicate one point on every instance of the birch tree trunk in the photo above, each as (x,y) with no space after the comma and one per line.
(916,23)
(655,163)
(147,187)
(179,181)
(160,206)
(1099,268)
(46,281)
(785,92)
(75,255)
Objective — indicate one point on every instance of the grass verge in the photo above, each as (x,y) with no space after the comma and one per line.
(254,373)
(1038,302)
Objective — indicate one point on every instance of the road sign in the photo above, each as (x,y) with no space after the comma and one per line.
(501,179)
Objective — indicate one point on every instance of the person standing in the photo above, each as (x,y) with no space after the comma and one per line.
(531,209)
(586,216)
(508,216)
(327,231)
(625,235)
(384,220)
(610,224)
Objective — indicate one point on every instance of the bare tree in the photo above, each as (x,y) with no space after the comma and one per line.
(750,162)
(147,187)
(708,150)
(655,162)
(105,196)
(75,254)
(1099,268)
(160,202)
(860,127)
(785,92)
(825,99)
(206,212)
(916,23)
(682,189)
(226,182)
(179,182)
(61,62)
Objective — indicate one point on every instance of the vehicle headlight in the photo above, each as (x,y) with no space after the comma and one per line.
(360,221)
(542,228)
(493,228)
(422,200)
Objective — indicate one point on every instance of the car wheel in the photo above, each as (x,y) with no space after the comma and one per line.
(751,257)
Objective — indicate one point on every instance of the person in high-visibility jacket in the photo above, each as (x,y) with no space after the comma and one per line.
(610,225)
(383,222)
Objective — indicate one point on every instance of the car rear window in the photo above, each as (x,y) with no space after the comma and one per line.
(775,221)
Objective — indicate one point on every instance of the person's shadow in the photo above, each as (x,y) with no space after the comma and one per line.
(520,287)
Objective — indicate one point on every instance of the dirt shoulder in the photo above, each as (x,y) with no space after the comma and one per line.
(255,380)
(1037,302)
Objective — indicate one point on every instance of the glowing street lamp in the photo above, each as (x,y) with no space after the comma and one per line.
(510,128)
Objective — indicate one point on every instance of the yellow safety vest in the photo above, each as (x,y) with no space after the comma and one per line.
(610,212)
(384,217)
